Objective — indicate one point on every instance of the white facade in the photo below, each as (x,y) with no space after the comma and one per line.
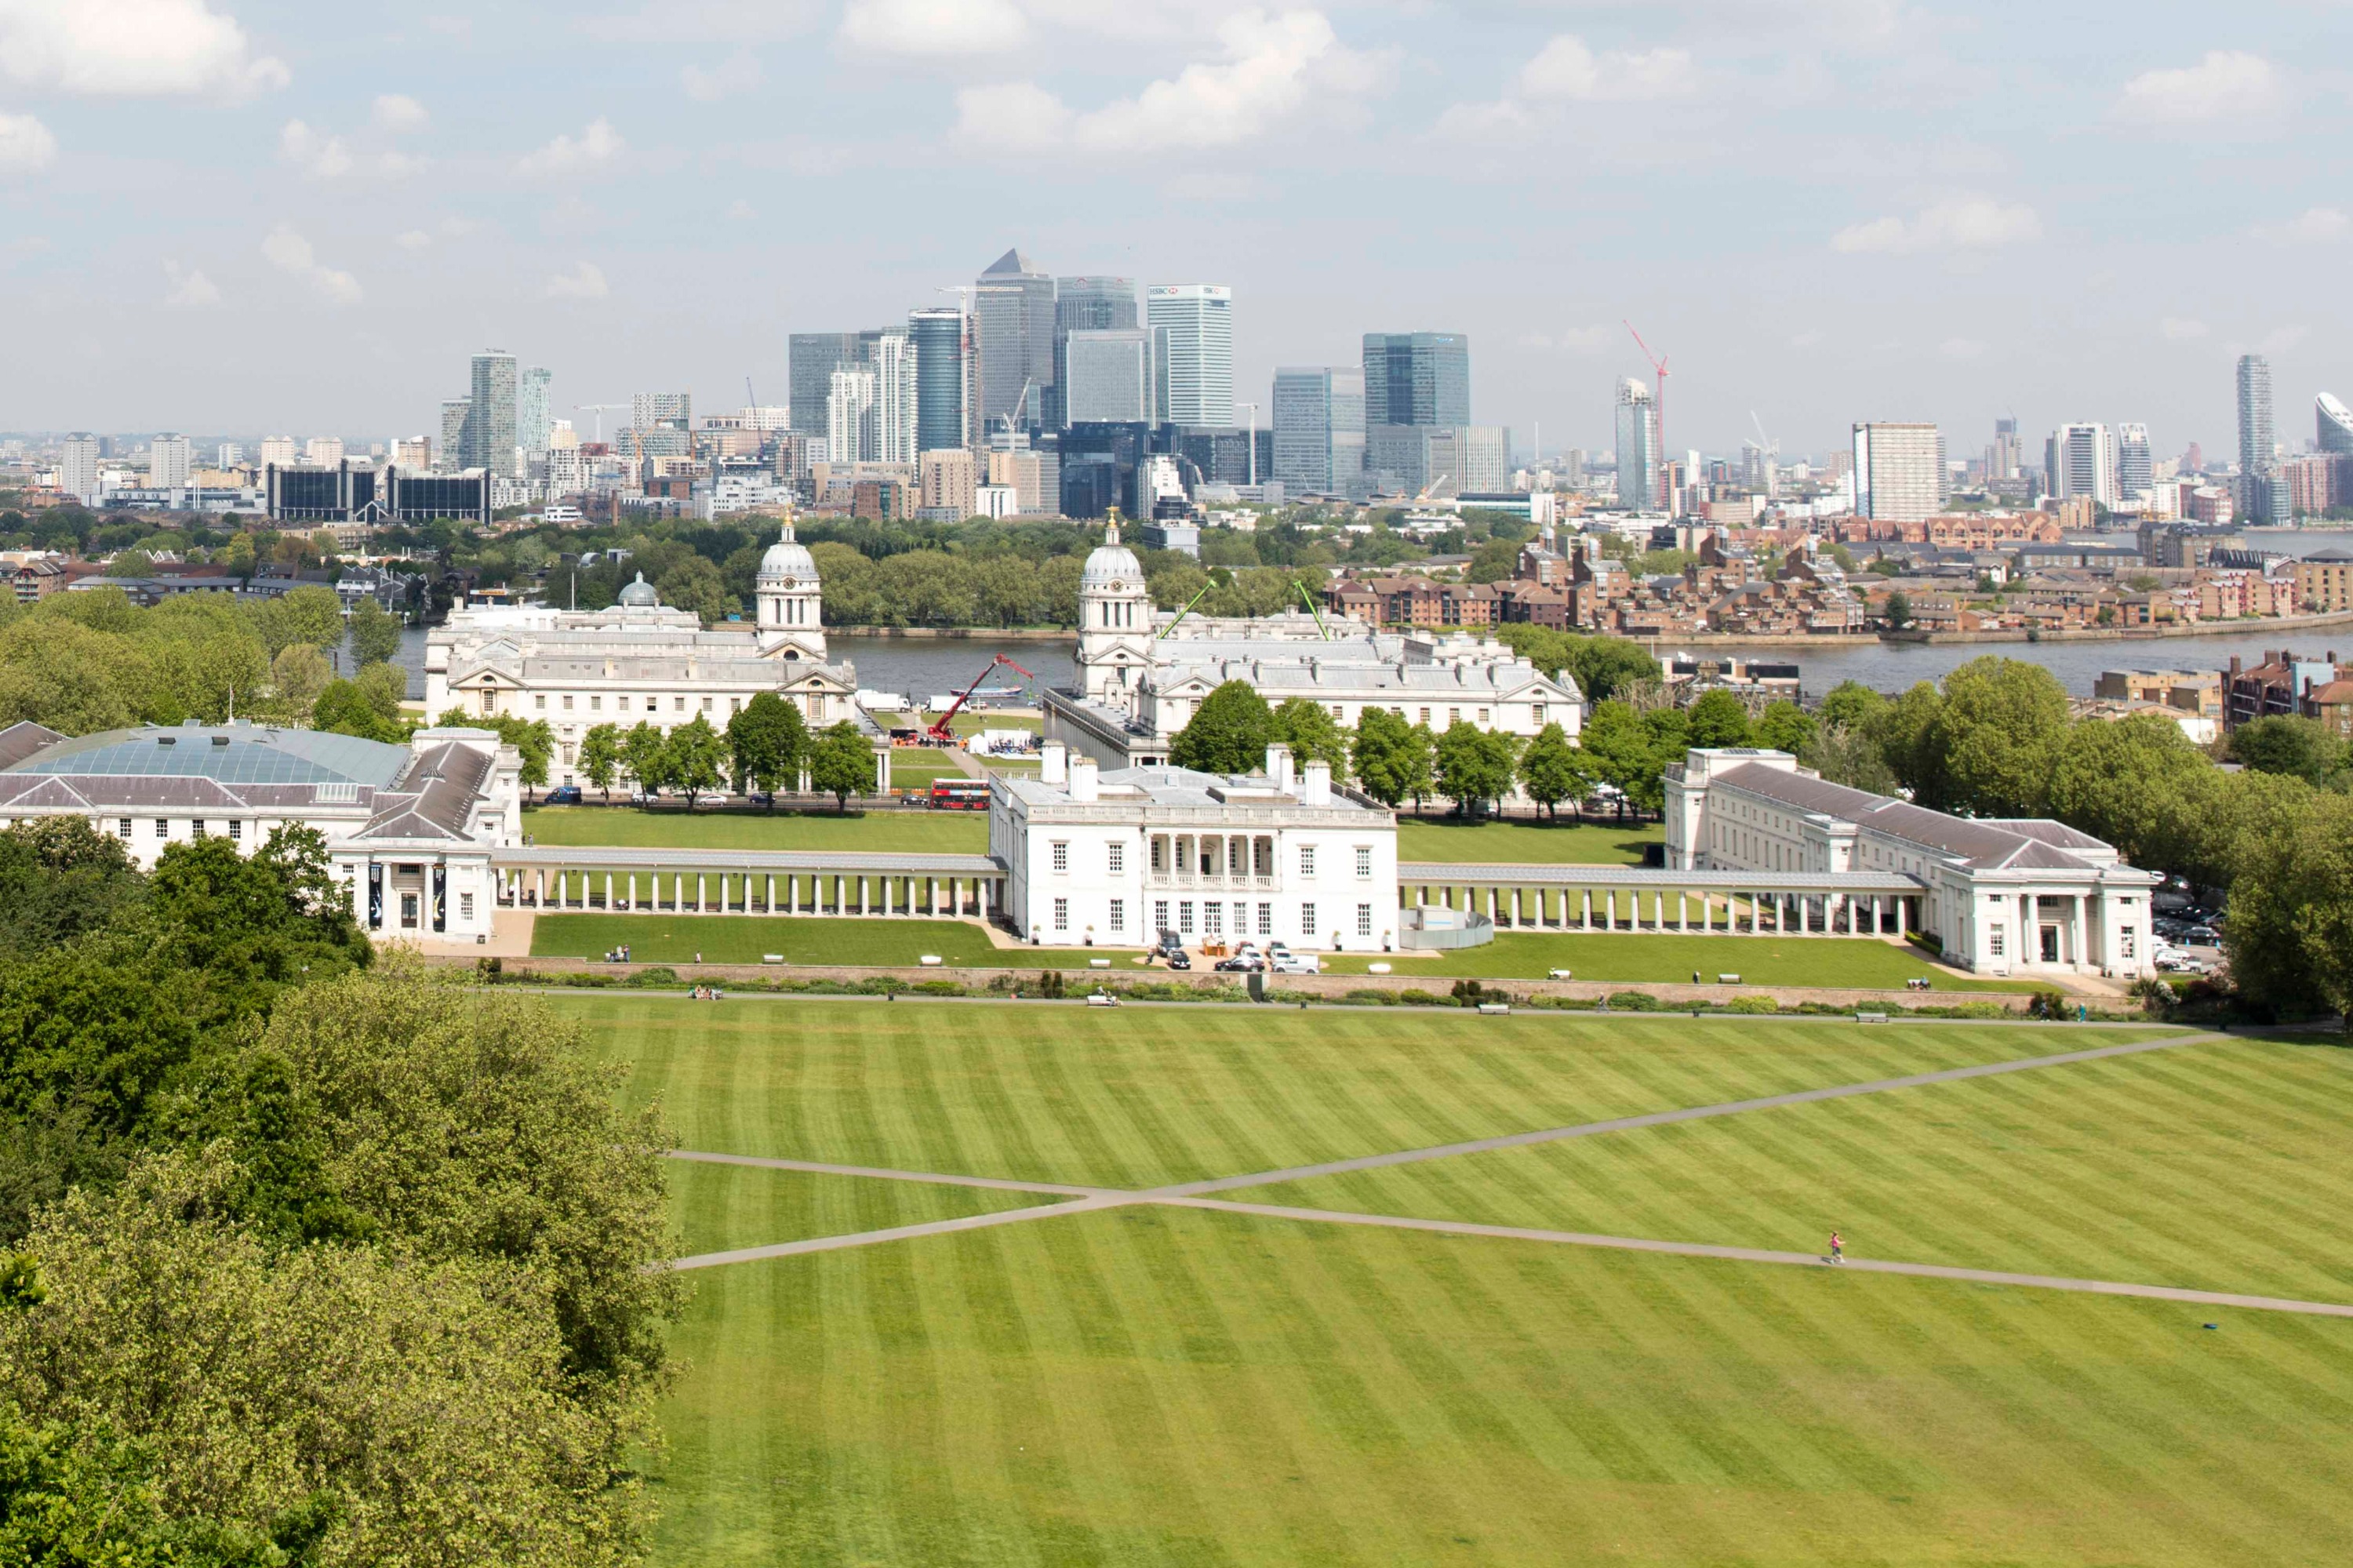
(1197,377)
(78,465)
(894,398)
(2003,896)
(169,459)
(850,413)
(411,830)
(641,663)
(1115,858)
(1145,673)
(2083,462)
(1899,471)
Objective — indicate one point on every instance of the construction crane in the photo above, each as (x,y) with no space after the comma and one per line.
(1013,419)
(751,398)
(1309,600)
(1432,485)
(941,728)
(1183,613)
(598,409)
(1658,410)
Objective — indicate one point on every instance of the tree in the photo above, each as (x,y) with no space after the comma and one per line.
(2290,934)
(646,753)
(1850,705)
(1313,734)
(1392,758)
(1623,750)
(1904,732)
(769,741)
(344,707)
(374,633)
(600,756)
(697,758)
(1552,770)
(1998,736)
(1898,611)
(1605,666)
(310,616)
(694,584)
(842,764)
(2117,781)
(1783,727)
(298,675)
(1492,562)
(1848,756)
(2298,748)
(1228,734)
(1474,766)
(1717,718)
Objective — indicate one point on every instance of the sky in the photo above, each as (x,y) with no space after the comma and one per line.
(249,217)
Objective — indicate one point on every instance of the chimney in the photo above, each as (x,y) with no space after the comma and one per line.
(1316,788)
(1083,778)
(1052,766)
(1278,766)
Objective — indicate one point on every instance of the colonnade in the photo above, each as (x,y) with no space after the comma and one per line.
(834,894)
(1731,909)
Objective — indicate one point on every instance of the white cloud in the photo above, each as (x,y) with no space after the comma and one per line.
(1574,340)
(735,22)
(1958,223)
(1961,348)
(398,111)
(316,154)
(414,239)
(739,208)
(585,281)
(290,253)
(1565,70)
(2225,83)
(734,74)
(597,144)
(2313,226)
(954,27)
(27,146)
(1274,67)
(190,289)
(131,48)
(2279,340)
(2181,329)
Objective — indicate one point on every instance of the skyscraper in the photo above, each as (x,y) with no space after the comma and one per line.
(850,435)
(490,439)
(1899,471)
(814,357)
(1013,326)
(2135,465)
(1319,428)
(1196,373)
(1638,479)
(169,457)
(943,379)
(454,414)
(2261,496)
(1084,305)
(533,417)
(895,394)
(1108,376)
(2006,457)
(2336,425)
(78,465)
(1417,378)
(2083,460)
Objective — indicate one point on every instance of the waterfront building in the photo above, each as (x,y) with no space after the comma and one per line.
(534,419)
(2135,465)
(943,377)
(2335,434)
(1319,428)
(1085,304)
(2262,498)
(411,830)
(851,428)
(1640,486)
(814,356)
(2081,463)
(1197,366)
(2002,897)
(1899,471)
(489,439)
(896,394)
(1144,673)
(1117,856)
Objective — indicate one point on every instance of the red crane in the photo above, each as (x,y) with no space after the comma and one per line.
(941,730)
(1658,419)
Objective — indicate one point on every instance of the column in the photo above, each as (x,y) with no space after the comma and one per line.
(1903,906)
(980,887)
(2078,931)
(1585,896)
(609,893)
(1658,911)
(864,894)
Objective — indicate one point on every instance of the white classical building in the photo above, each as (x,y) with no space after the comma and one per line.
(640,662)
(411,830)
(1144,673)
(1117,857)
(2004,897)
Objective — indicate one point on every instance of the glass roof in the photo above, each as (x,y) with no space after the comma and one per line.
(230,754)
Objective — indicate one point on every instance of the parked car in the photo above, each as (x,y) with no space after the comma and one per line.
(1241,963)
(1180,959)
(562,795)
(1298,964)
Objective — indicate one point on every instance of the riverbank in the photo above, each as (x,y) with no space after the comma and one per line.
(2258,626)
(959,633)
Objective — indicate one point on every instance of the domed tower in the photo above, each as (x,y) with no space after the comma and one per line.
(1114,621)
(791,621)
(638,595)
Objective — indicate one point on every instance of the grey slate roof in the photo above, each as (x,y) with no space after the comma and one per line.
(1984,845)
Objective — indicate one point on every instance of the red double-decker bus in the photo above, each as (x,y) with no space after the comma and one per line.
(960,795)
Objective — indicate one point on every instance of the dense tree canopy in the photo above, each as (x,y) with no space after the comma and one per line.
(1228,733)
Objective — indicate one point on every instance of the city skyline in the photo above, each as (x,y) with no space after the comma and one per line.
(1938,268)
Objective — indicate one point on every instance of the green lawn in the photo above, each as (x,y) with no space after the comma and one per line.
(1639,957)
(884,832)
(2220,1166)
(1487,842)
(655,939)
(914,764)
(1155,1386)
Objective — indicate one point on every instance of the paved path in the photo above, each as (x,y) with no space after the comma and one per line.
(1192,1195)
(1759,1255)
(1663,1119)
